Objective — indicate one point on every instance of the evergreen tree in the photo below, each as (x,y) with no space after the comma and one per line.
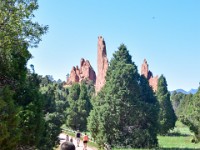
(79,107)
(118,117)
(84,107)
(29,98)
(55,105)
(9,120)
(189,113)
(72,111)
(167,117)
(150,108)
(176,99)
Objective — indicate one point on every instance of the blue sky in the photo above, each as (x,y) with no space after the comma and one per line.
(165,32)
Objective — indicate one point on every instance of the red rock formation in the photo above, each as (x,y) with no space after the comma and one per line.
(102,64)
(153,81)
(85,72)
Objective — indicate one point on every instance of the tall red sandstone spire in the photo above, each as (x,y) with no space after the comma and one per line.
(153,81)
(102,64)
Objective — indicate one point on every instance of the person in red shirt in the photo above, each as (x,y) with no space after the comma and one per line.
(85,140)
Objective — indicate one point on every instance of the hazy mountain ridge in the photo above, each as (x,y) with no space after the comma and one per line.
(192,91)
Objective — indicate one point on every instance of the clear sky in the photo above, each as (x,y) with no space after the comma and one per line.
(165,32)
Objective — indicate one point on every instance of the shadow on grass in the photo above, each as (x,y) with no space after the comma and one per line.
(177,134)
(177,148)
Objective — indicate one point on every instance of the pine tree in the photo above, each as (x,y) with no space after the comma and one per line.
(32,103)
(72,111)
(150,108)
(55,105)
(167,117)
(79,107)
(9,120)
(118,108)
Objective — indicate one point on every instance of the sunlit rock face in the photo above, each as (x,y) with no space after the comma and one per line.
(85,72)
(102,64)
(153,81)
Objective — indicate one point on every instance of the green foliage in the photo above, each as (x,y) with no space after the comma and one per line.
(167,117)
(190,112)
(79,106)
(17,33)
(21,107)
(9,120)
(55,104)
(120,114)
(176,99)
(29,98)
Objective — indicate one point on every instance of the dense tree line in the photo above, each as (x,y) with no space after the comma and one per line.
(55,104)
(188,112)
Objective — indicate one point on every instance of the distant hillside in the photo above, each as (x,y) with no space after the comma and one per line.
(192,91)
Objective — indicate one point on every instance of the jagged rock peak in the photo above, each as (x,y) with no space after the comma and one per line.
(102,63)
(153,81)
(85,72)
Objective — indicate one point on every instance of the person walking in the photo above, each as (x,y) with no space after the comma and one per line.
(85,141)
(67,137)
(78,136)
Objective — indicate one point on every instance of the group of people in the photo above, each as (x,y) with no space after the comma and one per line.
(68,144)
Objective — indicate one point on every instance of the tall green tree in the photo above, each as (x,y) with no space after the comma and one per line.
(118,117)
(79,106)
(167,117)
(9,120)
(189,113)
(150,109)
(72,111)
(55,105)
(31,102)
(18,32)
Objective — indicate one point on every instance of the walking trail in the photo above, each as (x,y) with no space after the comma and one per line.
(81,145)
(75,143)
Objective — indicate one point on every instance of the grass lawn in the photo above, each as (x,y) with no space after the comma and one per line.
(178,139)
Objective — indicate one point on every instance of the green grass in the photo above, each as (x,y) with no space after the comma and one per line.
(177,142)
(178,139)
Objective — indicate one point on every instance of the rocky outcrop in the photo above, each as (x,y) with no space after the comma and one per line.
(153,81)
(102,64)
(85,72)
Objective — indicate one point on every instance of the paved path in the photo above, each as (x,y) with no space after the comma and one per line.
(81,145)
(62,135)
